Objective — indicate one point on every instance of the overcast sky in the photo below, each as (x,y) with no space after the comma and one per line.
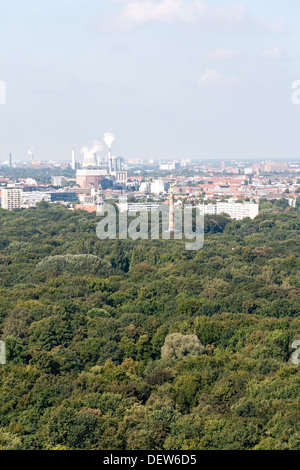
(170,79)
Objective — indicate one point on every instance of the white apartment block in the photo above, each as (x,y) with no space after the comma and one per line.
(11,198)
(138,206)
(32,198)
(169,166)
(157,187)
(145,187)
(235,210)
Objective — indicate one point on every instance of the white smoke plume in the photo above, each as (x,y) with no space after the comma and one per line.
(109,138)
(96,147)
(30,152)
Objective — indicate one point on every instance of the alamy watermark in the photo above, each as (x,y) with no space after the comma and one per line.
(2,353)
(2,92)
(164,222)
(296,92)
(296,355)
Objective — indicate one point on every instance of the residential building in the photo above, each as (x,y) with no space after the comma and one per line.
(11,198)
(235,210)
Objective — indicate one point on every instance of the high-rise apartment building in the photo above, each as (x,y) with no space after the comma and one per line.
(235,210)
(11,198)
(158,187)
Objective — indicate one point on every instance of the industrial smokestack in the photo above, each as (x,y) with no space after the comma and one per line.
(109,161)
(30,152)
(73,160)
(109,138)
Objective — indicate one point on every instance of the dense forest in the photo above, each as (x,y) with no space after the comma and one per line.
(142,345)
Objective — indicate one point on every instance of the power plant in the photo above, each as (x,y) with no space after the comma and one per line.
(96,172)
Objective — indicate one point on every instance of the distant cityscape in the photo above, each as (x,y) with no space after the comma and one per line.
(85,183)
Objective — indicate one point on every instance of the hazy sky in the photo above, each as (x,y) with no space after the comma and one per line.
(170,78)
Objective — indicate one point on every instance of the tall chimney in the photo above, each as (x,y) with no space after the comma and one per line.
(171,212)
(73,160)
(110,165)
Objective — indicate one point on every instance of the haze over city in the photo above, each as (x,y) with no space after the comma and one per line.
(170,78)
(149,230)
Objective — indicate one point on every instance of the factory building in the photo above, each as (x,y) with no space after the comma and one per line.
(121,177)
(90,177)
(93,174)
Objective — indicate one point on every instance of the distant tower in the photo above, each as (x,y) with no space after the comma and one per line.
(97,194)
(99,200)
(114,164)
(223,166)
(171,211)
(10,160)
(30,153)
(73,160)
(110,161)
(109,138)
(119,163)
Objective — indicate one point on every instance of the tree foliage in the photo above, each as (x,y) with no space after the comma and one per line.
(144,345)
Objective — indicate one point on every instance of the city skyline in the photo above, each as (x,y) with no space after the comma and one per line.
(10,161)
(170,79)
